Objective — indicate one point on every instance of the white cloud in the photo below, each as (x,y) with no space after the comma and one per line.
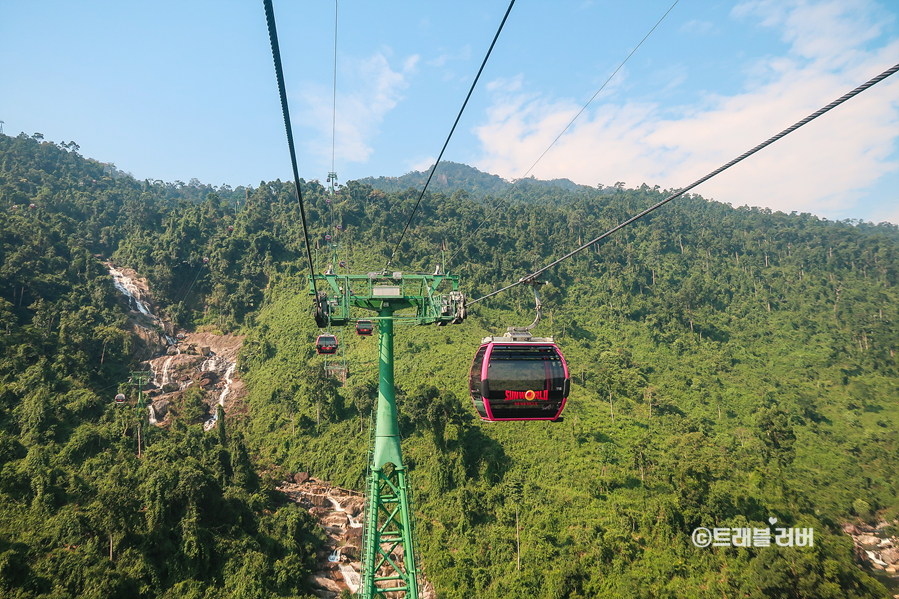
(463,54)
(695,27)
(822,168)
(369,91)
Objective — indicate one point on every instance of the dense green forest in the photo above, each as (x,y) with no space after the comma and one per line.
(749,359)
(452,176)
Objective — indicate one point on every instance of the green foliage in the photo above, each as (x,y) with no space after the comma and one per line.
(749,357)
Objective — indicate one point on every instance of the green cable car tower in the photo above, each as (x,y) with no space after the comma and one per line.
(405,299)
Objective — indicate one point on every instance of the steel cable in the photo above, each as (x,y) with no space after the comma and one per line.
(279,72)
(446,143)
(768,142)
(567,127)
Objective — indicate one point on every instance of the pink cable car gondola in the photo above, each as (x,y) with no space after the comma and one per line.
(326,344)
(519,380)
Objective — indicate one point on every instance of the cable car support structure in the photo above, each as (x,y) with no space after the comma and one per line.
(403,299)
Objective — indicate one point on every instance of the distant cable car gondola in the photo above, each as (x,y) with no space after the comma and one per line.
(327,200)
(342,264)
(205,260)
(340,227)
(32,206)
(120,398)
(327,238)
(230,229)
(326,344)
(519,377)
(364,328)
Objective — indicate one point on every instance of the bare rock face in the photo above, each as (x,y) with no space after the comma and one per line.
(161,408)
(867,539)
(324,583)
(890,556)
(336,519)
(851,529)
(320,500)
(353,535)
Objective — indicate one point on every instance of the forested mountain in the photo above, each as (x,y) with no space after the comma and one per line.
(749,358)
(452,176)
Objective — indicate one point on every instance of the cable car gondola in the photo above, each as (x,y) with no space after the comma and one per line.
(519,380)
(518,376)
(327,238)
(364,328)
(326,344)
(120,398)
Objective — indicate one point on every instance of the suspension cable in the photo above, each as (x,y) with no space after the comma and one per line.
(784,133)
(279,72)
(446,143)
(561,133)
(334,117)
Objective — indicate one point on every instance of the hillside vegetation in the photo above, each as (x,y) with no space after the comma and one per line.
(749,358)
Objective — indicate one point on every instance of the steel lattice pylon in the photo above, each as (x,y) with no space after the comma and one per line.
(388,531)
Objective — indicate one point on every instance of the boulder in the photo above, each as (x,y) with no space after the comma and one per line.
(353,535)
(319,512)
(300,477)
(890,556)
(161,408)
(867,539)
(851,529)
(320,500)
(336,519)
(204,350)
(324,583)
(350,551)
(352,505)
(171,387)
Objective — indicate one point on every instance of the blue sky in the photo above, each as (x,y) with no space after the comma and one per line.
(175,90)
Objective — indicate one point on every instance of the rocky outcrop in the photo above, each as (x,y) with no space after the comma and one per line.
(873,548)
(340,514)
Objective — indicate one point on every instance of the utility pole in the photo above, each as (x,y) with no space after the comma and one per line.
(388,530)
